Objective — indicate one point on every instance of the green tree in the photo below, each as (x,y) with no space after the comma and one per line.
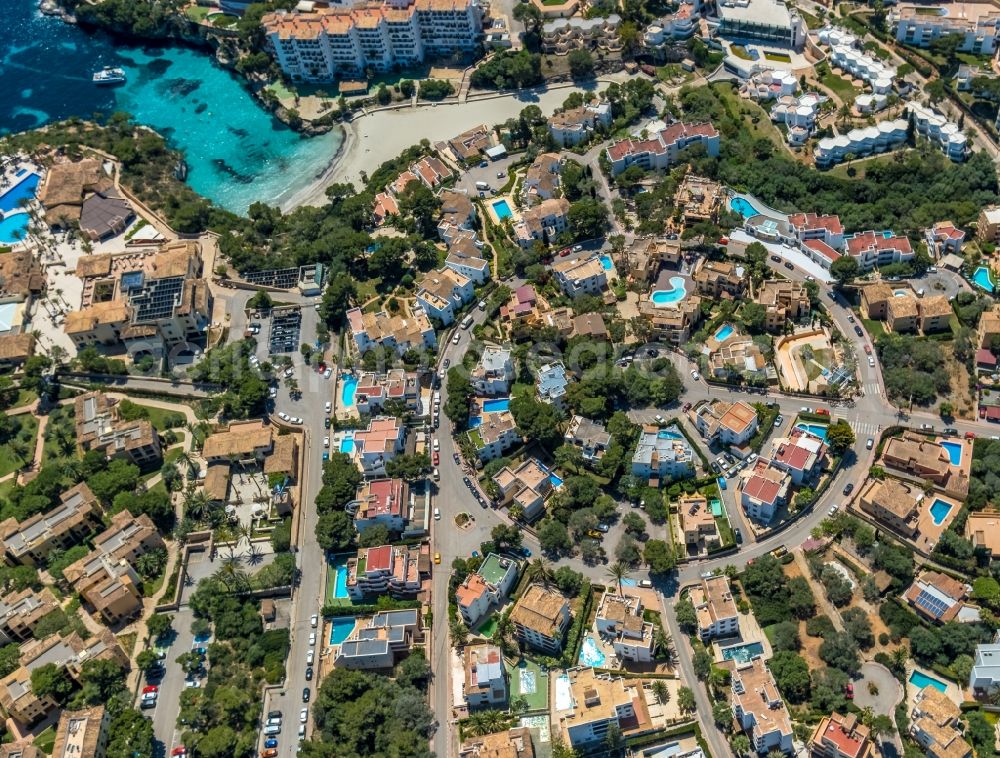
(335,531)
(845,270)
(51,680)
(687,618)
(722,715)
(660,558)
(553,537)
(791,673)
(685,700)
(581,63)
(840,436)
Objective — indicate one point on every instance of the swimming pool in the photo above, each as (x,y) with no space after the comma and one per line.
(341,628)
(606,263)
(502,209)
(556,481)
(920,680)
(475,421)
(983,279)
(939,511)
(669,434)
(494,406)
(954,450)
(675,294)
(564,693)
(348,386)
(14,228)
(23,190)
(347,443)
(724,333)
(742,653)
(743,207)
(816,430)
(340,580)
(590,654)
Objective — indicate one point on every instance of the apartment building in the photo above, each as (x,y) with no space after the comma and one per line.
(861,65)
(326,44)
(862,142)
(15,349)
(715,608)
(728,424)
(29,543)
(988,331)
(513,743)
(662,455)
(401,333)
(985,675)
(645,256)
(106,578)
(801,455)
(783,301)
(248,441)
(469,145)
(943,237)
(673,27)
(575,126)
(551,382)
(892,502)
(839,736)
(386,569)
(21,611)
(540,619)
(379,644)
(941,132)
(383,440)
(465,256)
(590,325)
(396,385)
(936,725)
(872,249)
(541,180)
(384,206)
(739,357)
(589,437)
(381,501)
(988,226)
(485,676)
(488,586)
(719,279)
(769,84)
(696,520)
(699,198)
(761,20)
(918,456)
(936,596)
(443,292)
(799,114)
(664,148)
(619,619)
(598,703)
(977,26)
(494,373)
(99,427)
(764,489)
(542,222)
(560,35)
(69,653)
(458,213)
(759,709)
(525,487)
(812,226)
(583,276)
(674,323)
(495,435)
(147,301)
(82,734)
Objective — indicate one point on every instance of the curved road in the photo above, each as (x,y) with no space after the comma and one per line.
(872,414)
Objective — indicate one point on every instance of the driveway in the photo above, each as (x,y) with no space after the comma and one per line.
(889,691)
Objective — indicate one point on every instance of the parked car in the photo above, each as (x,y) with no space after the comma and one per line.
(309,673)
(833,509)
(645,583)
(870,444)
(284,416)
(304,715)
(273,729)
(857,331)
(273,720)
(868,348)
(951,431)
(328,373)
(970,435)
(850,319)
(778,419)
(179,750)
(437,558)
(695,375)
(147,704)
(849,488)
(849,691)
(310,657)
(274,715)
(739,535)
(270,742)
(149,689)
(305,695)
(269,753)
(789,266)
(603,528)
(312,639)
(328,407)
(314,620)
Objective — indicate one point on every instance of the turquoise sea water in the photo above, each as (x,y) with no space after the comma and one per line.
(237,153)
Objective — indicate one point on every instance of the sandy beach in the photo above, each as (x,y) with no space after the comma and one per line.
(372,138)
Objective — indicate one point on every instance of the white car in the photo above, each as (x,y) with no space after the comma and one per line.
(456,339)
(314,620)
(326,442)
(288,372)
(302,733)
(659,419)
(695,375)
(310,657)
(328,373)
(312,639)
(284,416)
(328,407)
(254,360)
(193,683)
(437,445)
(295,420)
(577,248)
(833,509)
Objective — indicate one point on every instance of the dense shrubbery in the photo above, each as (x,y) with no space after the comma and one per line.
(913,368)
(774,597)
(507,70)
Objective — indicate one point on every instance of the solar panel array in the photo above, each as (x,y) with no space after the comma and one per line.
(157,299)
(283,278)
(935,606)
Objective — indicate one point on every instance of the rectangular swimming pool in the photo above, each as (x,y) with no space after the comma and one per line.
(341,628)
(502,209)
(920,680)
(742,653)
(816,430)
(23,190)
(492,406)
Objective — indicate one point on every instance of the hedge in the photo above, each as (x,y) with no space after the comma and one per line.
(368,610)
(574,641)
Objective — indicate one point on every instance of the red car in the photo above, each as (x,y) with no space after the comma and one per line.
(868,349)
(849,691)
(970,435)
(179,750)
(822,412)
(564,253)
(436,458)
(150,688)
(269,753)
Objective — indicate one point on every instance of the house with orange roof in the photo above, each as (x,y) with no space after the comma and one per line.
(375,446)
(488,587)
(763,490)
(385,206)
(800,454)
(728,424)
(664,148)
(812,226)
(872,249)
(839,736)
(944,238)
(392,569)
(381,501)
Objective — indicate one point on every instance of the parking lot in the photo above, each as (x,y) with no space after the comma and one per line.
(286,328)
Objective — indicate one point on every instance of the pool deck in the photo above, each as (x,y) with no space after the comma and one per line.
(928,532)
(515,214)
(953,691)
(750,632)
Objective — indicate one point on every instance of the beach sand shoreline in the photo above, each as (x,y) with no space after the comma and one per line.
(372,138)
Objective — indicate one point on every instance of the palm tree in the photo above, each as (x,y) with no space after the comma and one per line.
(662,692)
(540,571)
(196,505)
(740,744)
(900,656)
(618,571)
(486,722)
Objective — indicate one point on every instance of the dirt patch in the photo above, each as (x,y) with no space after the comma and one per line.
(960,397)
(792,570)
(810,648)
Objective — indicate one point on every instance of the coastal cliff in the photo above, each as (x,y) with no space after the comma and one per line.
(141,23)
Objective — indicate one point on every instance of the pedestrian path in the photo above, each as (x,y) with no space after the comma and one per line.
(866,428)
(871,388)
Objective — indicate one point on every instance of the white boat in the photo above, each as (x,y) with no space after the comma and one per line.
(109,76)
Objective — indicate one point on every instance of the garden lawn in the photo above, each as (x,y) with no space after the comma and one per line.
(840,87)
(9,460)
(539,699)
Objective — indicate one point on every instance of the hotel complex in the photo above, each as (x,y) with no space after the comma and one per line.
(323,44)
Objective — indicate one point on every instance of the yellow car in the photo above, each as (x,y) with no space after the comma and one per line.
(437,557)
